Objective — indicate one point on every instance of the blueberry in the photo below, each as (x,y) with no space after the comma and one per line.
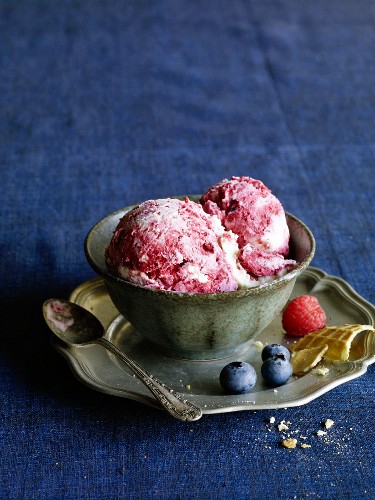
(276,370)
(274,349)
(238,377)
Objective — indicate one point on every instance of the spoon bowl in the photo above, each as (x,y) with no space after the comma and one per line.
(76,326)
(71,323)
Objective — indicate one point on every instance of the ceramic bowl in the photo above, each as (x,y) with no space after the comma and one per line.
(198,326)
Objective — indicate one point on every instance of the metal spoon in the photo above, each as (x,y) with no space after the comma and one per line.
(76,326)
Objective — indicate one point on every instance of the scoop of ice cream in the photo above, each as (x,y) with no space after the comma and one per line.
(236,237)
(249,209)
(172,244)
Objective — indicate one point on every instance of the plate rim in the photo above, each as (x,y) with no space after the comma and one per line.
(356,368)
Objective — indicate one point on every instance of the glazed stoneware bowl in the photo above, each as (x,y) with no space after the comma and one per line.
(198,326)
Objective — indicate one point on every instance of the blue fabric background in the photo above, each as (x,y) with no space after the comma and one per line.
(106,103)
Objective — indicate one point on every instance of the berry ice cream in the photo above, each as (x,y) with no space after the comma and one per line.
(171,244)
(236,237)
(247,207)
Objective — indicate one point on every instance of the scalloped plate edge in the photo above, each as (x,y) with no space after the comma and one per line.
(320,386)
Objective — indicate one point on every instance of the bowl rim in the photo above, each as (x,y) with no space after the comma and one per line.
(242,292)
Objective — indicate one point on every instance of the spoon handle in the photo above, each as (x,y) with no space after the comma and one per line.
(172,401)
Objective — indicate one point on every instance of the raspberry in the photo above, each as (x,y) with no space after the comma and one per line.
(303,315)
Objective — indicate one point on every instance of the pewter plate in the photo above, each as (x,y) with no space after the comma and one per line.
(198,381)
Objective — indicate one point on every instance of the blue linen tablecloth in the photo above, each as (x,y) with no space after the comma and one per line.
(104,104)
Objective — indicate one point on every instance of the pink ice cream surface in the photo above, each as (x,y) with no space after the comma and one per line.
(260,263)
(171,244)
(249,209)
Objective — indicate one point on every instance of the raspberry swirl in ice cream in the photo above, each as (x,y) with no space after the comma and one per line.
(247,207)
(172,244)
(236,237)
